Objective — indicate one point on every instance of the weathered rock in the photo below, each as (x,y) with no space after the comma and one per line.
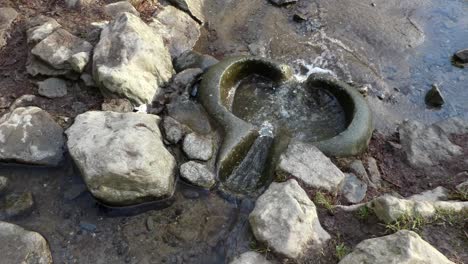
(192,59)
(438,194)
(30,135)
(283,2)
(115,9)
(357,167)
(7,16)
(434,97)
(374,172)
(389,208)
(24,100)
(79,61)
(74,191)
(463,187)
(191,114)
(173,130)
(179,31)
(77,3)
(453,125)
(462,55)
(310,165)
(198,147)
(250,257)
(121,156)
(193,7)
(286,220)
(58,48)
(3,184)
(130,60)
(23,246)
(403,247)
(197,174)
(426,146)
(184,80)
(40,27)
(16,204)
(88,80)
(354,190)
(4,102)
(53,88)
(35,67)
(117,105)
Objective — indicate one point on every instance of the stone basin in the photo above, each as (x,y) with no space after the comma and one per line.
(217,96)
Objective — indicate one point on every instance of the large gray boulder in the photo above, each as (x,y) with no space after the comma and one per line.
(121,157)
(62,50)
(286,220)
(179,31)
(131,60)
(426,145)
(30,135)
(307,163)
(22,246)
(7,16)
(403,247)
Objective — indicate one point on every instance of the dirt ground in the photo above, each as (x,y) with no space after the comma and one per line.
(197,226)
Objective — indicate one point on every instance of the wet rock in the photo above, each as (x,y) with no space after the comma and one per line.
(434,97)
(426,146)
(7,16)
(53,88)
(115,9)
(121,157)
(250,257)
(179,31)
(389,208)
(283,2)
(357,167)
(184,80)
(23,246)
(354,190)
(193,7)
(462,55)
(310,165)
(198,147)
(58,48)
(3,184)
(402,247)
(247,175)
(193,59)
(374,172)
(88,227)
(190,194)
(286,219)
(119,68)
(438,194)
(173,130)
(14,205)
(191,114)
(77,3)
(30,135)
(117,105)
(74,191)
(197,174)
(299,17)
(40,27)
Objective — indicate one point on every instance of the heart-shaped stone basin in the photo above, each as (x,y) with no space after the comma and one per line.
(341,124)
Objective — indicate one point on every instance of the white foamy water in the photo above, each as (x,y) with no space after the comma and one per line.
(300,65)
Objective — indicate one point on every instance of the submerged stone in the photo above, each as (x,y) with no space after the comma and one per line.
(434,97)
(197,174)
(198,147)
(14,205)
(462,55)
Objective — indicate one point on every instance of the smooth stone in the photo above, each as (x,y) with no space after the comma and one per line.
(193,7)
(357,167)
(197,174)
(198,147)
(190,114)
(402,247)
(434,97)
(30,135)
(24,100)
(53,88)
(39,27)
(115,9)
(22,246)
(308,164)
(121,69)
(250,257)
(426,145)
(7,16)
(354,190)
(286,220)
(88,227)
(179,31)
(121,157)
(374,172)
(192,59)
(117,105)
(4,182)
(184,80)
(462,55)
(173,130)
(438,194)
(14,205)
(58,48)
